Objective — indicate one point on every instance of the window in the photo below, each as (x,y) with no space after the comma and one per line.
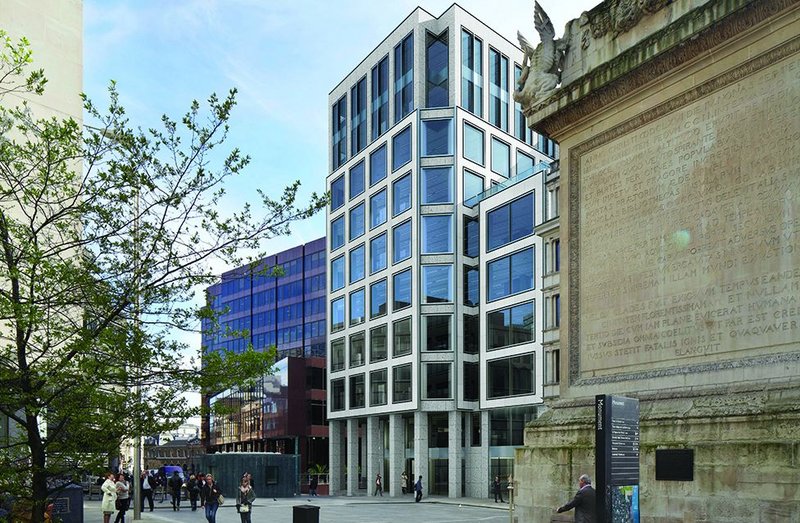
(437,380)
(337,193)
(357,307)
(511,326)
(437,283)
(337,394)
(472,333)
(552,309)
(498,89)
(473,144)
(337,233)
(401,242)
(552,366)
(358,116)
(437,137)
(509,222)
(525,164)
(471,286)
(337,314)
(556,246)
(437,185)
(521,130)
(401,337)
(357,391)
(377,209)
(437,332)
(471,237)
(377,165)
(377,299)
(380,98)
(357,179)
(339,130)
(337,354)
(552,202)
(510,376)
(377,254)
(357,221)
(401,195)
(404,78)
(401,384)
(473,185)
(500,157)
(357,264)
(437,234)
(401,290)
(401,148)
(475,439)
(436,71)
(471,73)
(510,275)
(378,343)
(337,273)
(357,354)
(377,387)
(472,381)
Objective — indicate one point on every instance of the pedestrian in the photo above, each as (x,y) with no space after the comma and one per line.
(378,485)
(146,486)
(201,482)
(212,494)
(174,485)
(404,482)
(312,485)
(244,499)
(123,498)
(109,490)
(193,487)
(497,490)
(583,502)
(418,490)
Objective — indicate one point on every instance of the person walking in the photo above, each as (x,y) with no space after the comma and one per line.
(193,487)
(404,482)
(497,490)
(174,485)
(201,482)
(418,490)
(583,502)
(146,485)
(211,493)
(312,485)
(109,490)
(123,498)
(244,499)
(378,485)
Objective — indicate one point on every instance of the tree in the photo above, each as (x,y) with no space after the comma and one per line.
(105,233)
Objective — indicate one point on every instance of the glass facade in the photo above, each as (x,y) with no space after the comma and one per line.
(437,137)
(510,376)
(437,283)
(337,193)
(437,71)
(401,337)
(510,222)
(357,221)
(404,78)
(473,184)
(357,307)
(471,73)
(339,130)
(401,290)
(377,299)
(378,387)
(378,344)
(357,353)
(358,117)
(437,332)
(380,98)
(498,89)
(401,242)
(437,380)
(357,179)
(511,326)
(357,264)
(377,165)
(377,209)
(401,195)
(401,384)
(471,286)
(501,154)
(473,144)
(437,233)
(377,254)
(510,274)
(337,274)
(436,185)
(401,148)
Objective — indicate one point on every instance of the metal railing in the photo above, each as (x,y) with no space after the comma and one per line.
(478,198)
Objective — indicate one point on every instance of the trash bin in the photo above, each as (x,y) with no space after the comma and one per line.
(305,514)
(68,504)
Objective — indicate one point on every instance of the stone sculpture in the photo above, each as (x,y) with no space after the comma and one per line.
(541,67)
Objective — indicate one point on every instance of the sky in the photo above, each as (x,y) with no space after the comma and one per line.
(283,57)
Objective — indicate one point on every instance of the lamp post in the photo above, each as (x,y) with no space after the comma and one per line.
(511,498)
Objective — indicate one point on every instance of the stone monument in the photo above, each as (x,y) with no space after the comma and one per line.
(679,129)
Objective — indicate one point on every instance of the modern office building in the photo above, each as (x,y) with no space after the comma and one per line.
(285,411)
(436,310)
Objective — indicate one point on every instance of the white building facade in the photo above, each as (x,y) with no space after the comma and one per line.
(435,304)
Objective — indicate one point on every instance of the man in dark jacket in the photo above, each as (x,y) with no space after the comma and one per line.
(174,485)
(583,502)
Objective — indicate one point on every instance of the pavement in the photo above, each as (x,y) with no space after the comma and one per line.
(333,509)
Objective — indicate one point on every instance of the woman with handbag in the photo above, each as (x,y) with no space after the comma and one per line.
(214,498)
(193,487)
(244,499)
(123,498)
(109,490)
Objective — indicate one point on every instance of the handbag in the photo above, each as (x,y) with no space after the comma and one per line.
(243,508)
(221,499)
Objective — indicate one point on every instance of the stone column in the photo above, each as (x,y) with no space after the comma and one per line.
(352,456)
(336,482)
(397,453)
(454,454)
(374,451)
(483,466)
(421,451)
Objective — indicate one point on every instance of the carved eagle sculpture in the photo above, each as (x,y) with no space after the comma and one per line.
(540,66)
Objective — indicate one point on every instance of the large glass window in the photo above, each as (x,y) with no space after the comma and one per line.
(401,148)
(357,264)
(437,380)
(437,283)
(337,394)
(436,71)
(401,337)
(471,73)
(357,307)
(377,387)
(510,274)
(498,89)
(401,290)
(404,78)
(357,391)
(377,165)
(337,314)
(357,350)
(437,233)
(500,157)
(339,130)
(377,209)
(357,221)
(337,273)
(378,343)
(437,137)
(510,222)
(471,286)
(525,164)
(472,333)
(357,175)
(337,354)
(437,332)
(472,381)
(437,185)
(380,98)
(337,193)
(473,184)
(472,240)
(473,144)
(401,242)
(401,195)
(358,116)
(377,254)
(510,376)
(401,384)
(511,326)
(337,233)
(377,299)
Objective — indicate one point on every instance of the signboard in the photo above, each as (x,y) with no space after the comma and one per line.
(617,458)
